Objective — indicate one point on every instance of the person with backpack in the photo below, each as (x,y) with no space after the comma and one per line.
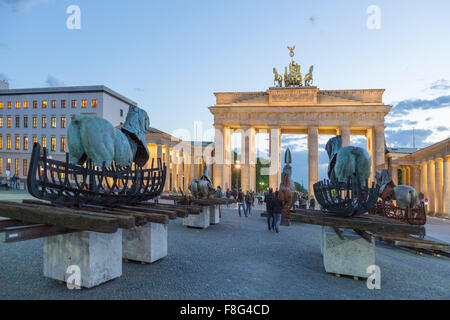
(248,202)
(277,207)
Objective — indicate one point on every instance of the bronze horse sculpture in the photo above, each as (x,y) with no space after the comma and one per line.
(287,189)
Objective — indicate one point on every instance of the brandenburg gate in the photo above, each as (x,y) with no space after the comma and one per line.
(294,109)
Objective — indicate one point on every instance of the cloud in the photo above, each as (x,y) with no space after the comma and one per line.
(53,82)
(4,77)
(404,137)
(401,123)
(405,107)
(440,85)
(21,6)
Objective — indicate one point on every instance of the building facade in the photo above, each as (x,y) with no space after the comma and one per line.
(294,110)
(427,170)
(44,114)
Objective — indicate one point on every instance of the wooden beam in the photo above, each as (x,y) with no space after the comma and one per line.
(339,233)
(50,216)
(365,235)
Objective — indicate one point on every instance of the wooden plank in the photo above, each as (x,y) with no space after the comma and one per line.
(339,233)
(50,216)
(191,209)
(365,235)
(7,224)
(384,225)
(125,221)
(35,232)
(172,215)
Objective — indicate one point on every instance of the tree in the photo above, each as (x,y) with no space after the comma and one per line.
(300,188)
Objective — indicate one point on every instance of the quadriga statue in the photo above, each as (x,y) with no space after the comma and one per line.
(347,161)
(94,138)
(406,196)
(203,187)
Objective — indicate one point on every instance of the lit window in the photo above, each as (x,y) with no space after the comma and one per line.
(34,104)
(94,103)
(1,142)
(1,122)
(44,142)
(44,104)
(84,103)
(16,166)
(8,142)
(1,104)
(34,140)
(74,103)
(63,144)
(25,143)
(25,167)
(44,122)
(53,104)
(25,104)
(53,144)
(17,104)
(63,122)
(17,143)
(17,121)
(35,122)
(9,105)
(53,122)
(63,104)
(25,121)
(8,164)
(8,124)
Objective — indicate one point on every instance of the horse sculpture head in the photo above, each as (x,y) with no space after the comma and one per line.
(287,169)
(333,146)
(135,127)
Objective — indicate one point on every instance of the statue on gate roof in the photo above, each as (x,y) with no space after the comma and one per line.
(294,77)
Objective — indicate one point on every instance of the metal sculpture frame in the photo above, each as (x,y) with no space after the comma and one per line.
(346,199)
(72,185)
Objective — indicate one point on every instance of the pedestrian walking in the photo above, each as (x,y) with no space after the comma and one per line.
(241,203)
(312,203)
(269,211)
(248,203)
(277,207)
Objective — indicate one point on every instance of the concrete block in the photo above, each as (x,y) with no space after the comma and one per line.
(97,255)
(146,243)
(349,257)
(200,221)
(214,217)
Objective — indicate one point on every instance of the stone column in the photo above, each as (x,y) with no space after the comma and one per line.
(275,157)
(345,134)
(446,200)
(439,181)
(159,153)
(403,168)
(226,177)
(379,147)
(218,157)
(370,150)
(313,158)
(174,170)
(394,175)
(431,187)
(169,170)
(248,159)
(408,175)
(423,179)
(415,178)
(186,176)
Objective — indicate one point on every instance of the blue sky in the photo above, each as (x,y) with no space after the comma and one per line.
(171,56)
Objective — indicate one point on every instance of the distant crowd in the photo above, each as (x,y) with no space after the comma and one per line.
(274,204)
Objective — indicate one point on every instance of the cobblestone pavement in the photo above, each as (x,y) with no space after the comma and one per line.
(237,259)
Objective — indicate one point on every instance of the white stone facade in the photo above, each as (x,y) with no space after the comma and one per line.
(22,112)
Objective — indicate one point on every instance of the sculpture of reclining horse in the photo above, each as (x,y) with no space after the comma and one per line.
(94,138)
(347,162)
(203,187)
(406,196)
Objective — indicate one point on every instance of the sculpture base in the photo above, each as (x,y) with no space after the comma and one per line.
(199,221)
(146,243)
(349,257)
(214,217)
(97,256)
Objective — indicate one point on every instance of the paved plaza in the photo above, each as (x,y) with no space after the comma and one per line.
(237,259)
